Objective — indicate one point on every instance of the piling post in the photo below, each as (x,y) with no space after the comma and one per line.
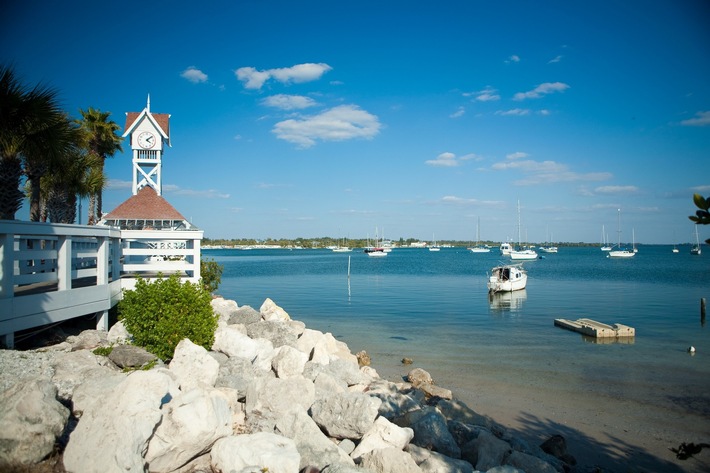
(702,311)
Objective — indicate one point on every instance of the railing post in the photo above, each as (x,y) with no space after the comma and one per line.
(102,278)
(196,259)
(64,259)
(7,285)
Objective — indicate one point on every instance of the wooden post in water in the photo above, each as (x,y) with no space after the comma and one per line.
(702,311)
(348,267)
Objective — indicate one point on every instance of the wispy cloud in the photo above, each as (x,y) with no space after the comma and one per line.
(289,102)
(460,112)
(489,94)
(541,90)
(340,123)
(519,112)
(555,59)
(700,119)
(454,200)
(513,58)
(194,75)
(255,79)
(205,194)
(115,184)
(450,159)
(543,172)
(615,190)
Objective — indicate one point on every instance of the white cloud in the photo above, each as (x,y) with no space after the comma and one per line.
(118,184)
(488,94)
(444,160)
(542,89)
(520,112)
(554,60)
(454,200)
(460,112)
(194,75)
(701,119)
(207,194)
(289,102)
(616,190)
(544,172)
(255,79)
(340,123)
(516,155)
(513,58)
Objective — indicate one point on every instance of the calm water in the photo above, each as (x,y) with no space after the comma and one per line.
(434,308)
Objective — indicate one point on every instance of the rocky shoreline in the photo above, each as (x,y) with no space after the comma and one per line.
(271,395)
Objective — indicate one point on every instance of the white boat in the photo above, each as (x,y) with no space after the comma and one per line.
(505,249)
(375,251)
(479,248)
(675,249)
(620,252)
(605,241)
(522,253)
(434,247)
(695,249)
(507,278)
(341,249)
(548,249)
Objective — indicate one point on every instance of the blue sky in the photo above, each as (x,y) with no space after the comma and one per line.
(320,118)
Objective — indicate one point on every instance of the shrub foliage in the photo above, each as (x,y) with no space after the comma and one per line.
(160,314)
(211,272)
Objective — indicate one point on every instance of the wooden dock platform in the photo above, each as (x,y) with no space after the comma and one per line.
(595,329)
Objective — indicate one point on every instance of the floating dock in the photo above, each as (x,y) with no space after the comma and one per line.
(595,329)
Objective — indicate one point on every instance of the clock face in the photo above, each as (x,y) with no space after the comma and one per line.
(146,140)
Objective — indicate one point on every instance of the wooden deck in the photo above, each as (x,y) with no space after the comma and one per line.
(592,328)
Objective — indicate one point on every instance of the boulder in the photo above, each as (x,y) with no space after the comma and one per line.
(94,391)
(118,334)
(193,366)
(458,411)
(232,342)
(418,376)
(75,368)
(237,373)
(245,315)
(431,431)
(389,460)
(279,395)
(383,434)
(313,446)
(32,419)
(192,422)
(130,356)
(277,332)
(486,451)
(263,450)
(223,308)
(270,311)
(346,415)
(433,391)
(288,362)
(114,434)
(525,462)
(87,340)
(433,462)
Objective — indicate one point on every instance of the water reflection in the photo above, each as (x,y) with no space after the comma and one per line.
(507,301)
(609,340)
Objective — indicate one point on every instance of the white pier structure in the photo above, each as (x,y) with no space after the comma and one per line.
(50,273)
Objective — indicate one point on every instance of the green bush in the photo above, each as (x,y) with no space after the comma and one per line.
(160,314)
(211,273)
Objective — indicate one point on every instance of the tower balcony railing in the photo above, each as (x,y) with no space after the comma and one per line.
(50,273)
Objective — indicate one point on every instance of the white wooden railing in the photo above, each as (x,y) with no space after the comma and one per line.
(50,273)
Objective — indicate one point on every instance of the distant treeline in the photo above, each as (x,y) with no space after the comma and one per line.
(325,242)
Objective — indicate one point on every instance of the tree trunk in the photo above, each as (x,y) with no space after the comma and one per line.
(92,209)
(35,213)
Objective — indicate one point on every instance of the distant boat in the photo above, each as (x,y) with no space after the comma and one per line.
(375,251)
(507,278)
(605,241)
(505,249)
(479,248)
(434,247)
(548,248)
(621,252)
(675,249)
(695,249)
(522,253)
(341,248)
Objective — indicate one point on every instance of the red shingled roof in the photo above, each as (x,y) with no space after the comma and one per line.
(163,119)
(145,205)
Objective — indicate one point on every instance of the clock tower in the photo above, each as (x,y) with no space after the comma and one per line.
(149,136)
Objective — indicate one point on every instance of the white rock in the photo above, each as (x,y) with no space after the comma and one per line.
(270,311)
(346,415)
(113,435)
(118,335)
(191,423)
(263,450)
(224,308)
(383,434)
(279,395)
(288,362)
(389,460)
(193,366)
(232,342)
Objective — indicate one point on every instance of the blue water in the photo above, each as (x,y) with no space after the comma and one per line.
(434,307)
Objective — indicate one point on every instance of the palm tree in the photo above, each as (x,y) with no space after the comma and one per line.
(31,131)
(75,176)
(102,141)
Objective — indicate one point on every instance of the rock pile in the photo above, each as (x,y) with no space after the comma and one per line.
(271,395)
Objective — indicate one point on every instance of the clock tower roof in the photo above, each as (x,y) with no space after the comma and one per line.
(160,121)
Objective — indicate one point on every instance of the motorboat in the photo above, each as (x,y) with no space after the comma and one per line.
(505,249)
(507,278)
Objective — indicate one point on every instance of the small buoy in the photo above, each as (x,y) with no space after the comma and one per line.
(691,349)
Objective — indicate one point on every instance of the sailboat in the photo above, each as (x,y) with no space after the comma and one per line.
(434,247)
(375,251)
(695,249)
(520,253)
(605,241)
(621,252)
(548,248)
(479,248)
